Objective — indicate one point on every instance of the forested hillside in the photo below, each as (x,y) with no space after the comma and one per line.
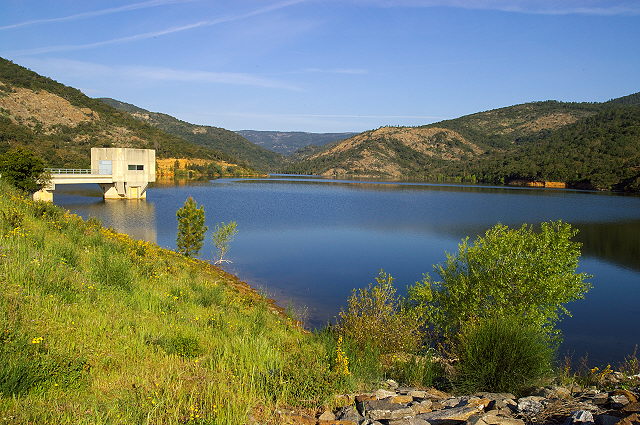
(61,124)
(592,145)
(207,136)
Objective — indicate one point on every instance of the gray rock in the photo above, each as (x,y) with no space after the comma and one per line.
(496,396)
(349,413)
(423,406)
(452,415)
(529,406)
(618,401)
(580,417)
(606,419)
(380,394)
(384,409)
(492,418)
(391,384)
(454,401)
(409,421)
(600,398)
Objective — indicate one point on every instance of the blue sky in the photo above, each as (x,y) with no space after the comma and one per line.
(328,65)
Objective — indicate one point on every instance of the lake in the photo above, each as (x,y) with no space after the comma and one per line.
(307,242)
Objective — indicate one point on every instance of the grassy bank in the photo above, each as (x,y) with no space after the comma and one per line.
(102,329)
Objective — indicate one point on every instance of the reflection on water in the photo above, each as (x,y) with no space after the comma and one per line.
(311,241)
(135,217)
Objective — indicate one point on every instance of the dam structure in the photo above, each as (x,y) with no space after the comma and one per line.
(122,173)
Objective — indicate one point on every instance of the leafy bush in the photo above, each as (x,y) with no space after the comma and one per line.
(181,345)
(505,272)
(502,354)
(23,169)
(377,318)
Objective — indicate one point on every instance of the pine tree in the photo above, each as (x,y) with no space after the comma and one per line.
(191,228)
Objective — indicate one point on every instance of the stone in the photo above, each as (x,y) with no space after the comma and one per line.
(337,422)
(605,419)
(600,399)
(618,401)
(580,417)
(409,421)
(391,384)
(492,418)
(400,399)
(633,419)
(418,394)
(454,401)
(349,413)
(381,394)
(327,415)
(452,415)
(628,394)
(435,394)
(496,396)
(365,397)
(633,407)
(478,402)
(529,406)
(384,409)
(419,407)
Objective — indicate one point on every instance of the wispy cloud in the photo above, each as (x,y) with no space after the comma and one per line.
(542,7)
(94,13)
(152,34)
(147,74)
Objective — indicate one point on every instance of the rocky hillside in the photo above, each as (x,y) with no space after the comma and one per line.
(62,124)
(207,136)
(475,146)
(291,142)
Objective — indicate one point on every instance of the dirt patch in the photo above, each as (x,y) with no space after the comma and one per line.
(551,121)
(31,108)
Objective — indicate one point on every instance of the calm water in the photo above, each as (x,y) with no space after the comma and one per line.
(308,242)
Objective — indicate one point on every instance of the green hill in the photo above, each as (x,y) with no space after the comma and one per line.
(207,136)
(62,124)
(599,152)
(529,142)
(291,142)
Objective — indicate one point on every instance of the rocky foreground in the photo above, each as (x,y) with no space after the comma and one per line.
(549,405)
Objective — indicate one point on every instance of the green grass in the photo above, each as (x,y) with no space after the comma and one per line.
(97,328)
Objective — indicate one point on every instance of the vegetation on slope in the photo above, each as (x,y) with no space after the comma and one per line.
(61,124)
(601,152)
(594,145)
(98,328)
(207,136)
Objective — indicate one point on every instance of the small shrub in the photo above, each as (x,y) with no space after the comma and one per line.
(377,318)
(502,354)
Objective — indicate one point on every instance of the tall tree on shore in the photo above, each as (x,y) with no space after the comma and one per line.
(23,169)
(191,228)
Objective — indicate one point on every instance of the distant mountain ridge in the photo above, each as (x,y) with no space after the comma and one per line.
(289,142)
(220,139)
(494,146)
(61,124)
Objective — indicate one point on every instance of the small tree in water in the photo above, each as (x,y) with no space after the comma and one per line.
(223,234)
(191,228)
